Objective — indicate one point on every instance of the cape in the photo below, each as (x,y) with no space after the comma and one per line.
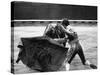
(41,53)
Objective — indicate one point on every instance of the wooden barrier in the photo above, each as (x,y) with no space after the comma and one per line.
(45,22)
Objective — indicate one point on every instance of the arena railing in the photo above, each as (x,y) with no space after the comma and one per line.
(45,22)
(51,21)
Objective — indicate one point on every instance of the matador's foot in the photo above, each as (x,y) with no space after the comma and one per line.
(93,66)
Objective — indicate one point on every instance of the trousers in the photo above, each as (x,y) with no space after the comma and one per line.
(75,48)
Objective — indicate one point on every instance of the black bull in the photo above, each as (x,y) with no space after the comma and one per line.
(41,53)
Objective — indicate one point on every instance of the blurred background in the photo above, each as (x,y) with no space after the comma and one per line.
(29,10)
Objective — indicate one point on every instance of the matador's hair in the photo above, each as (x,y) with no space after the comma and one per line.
(65,21)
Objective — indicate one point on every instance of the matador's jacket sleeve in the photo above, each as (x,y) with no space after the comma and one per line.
(70,33)
(55,32)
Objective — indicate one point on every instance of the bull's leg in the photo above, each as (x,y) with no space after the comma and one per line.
(20,53)
(18,60)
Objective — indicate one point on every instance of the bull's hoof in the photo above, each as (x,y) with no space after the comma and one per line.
(17,60)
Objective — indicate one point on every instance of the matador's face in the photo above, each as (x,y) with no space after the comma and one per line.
(65,26)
